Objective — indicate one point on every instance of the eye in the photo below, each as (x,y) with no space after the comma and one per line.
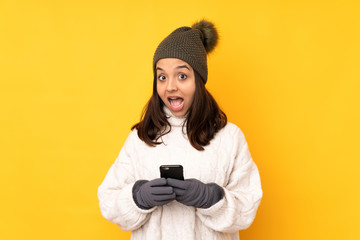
(182,76)
(161,77)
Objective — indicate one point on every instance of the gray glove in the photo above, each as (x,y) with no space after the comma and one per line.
(148,194)
(192,192)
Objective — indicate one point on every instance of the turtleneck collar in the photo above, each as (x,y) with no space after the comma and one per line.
(172,119)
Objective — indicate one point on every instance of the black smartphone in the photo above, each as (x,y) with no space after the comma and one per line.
(172,171)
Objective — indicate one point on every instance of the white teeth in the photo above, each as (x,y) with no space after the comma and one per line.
(176,101)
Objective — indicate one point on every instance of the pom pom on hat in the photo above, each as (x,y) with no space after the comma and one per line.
(209,32)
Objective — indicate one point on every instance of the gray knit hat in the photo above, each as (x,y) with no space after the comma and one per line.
(190,44)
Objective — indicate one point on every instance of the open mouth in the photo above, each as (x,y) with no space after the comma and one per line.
(176,103)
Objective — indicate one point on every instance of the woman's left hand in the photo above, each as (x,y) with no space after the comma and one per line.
(192,192)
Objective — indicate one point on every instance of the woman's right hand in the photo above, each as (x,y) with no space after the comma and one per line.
(148,194)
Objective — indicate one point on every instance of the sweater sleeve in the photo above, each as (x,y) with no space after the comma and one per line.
(115,192)
(237,209)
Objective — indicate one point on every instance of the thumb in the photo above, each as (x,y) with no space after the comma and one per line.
(180,184)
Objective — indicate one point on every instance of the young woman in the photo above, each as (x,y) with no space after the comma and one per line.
(182,124)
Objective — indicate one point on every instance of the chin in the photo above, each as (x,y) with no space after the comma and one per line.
(178,114)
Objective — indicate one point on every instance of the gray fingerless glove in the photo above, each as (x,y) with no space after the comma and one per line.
(192,192)
(148,194)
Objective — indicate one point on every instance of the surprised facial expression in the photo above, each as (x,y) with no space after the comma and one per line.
(175,85)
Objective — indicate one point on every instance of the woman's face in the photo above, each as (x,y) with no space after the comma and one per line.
(175,84)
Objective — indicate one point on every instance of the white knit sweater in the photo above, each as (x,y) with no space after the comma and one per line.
(226,162)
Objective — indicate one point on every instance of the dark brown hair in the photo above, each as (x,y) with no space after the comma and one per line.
(203,120)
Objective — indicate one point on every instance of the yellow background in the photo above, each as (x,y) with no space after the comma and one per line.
(75,76)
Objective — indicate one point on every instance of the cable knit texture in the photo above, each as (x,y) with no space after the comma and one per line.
(226,162)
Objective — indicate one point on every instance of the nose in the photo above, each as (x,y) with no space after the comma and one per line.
(172,85)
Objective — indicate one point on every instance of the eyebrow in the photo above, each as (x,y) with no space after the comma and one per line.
(178,67)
